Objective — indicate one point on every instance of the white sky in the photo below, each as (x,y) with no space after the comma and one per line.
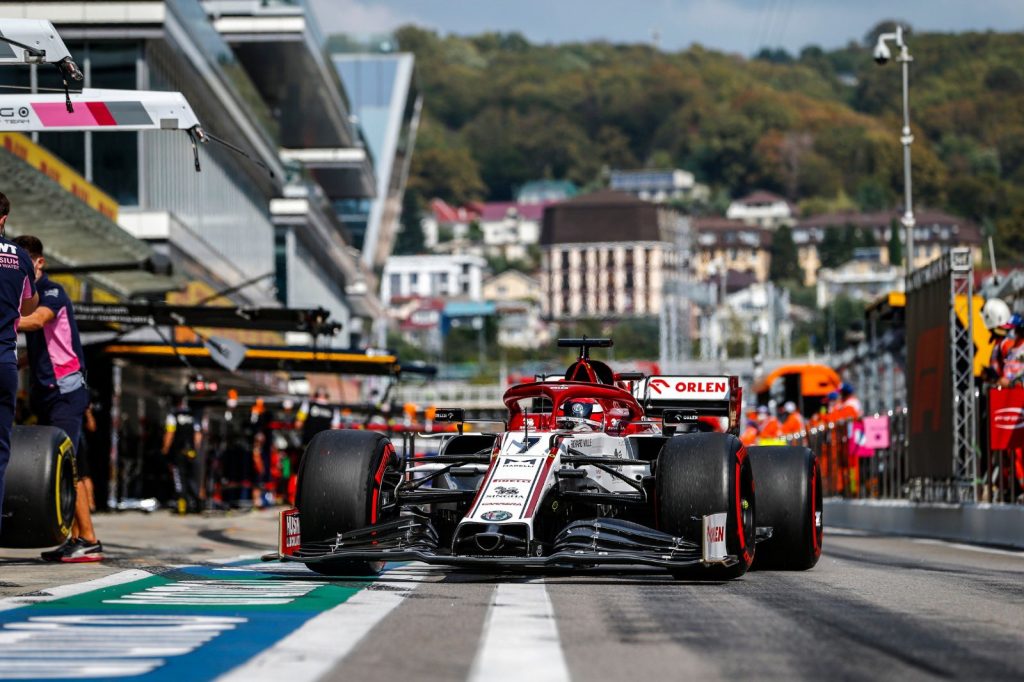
(741,26)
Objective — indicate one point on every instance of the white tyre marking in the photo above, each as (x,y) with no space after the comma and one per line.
(323,641)
(520,638)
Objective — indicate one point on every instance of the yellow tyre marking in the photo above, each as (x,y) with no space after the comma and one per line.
(61,451)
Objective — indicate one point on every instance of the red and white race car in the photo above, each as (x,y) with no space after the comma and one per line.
(593,468)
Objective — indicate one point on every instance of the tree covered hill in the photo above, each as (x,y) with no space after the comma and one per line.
(821,127)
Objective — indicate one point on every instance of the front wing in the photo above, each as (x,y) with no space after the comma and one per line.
(605,542)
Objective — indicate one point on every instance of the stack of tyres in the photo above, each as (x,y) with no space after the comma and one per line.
(39,500)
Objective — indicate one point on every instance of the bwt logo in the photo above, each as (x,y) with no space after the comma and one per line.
(716,533)
(1009,418)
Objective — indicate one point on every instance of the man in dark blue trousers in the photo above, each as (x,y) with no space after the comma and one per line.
(17,297)
(58,393)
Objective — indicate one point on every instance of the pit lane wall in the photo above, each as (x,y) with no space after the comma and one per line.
(986,524)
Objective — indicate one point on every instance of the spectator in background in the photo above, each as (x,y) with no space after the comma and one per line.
(316,415)
(832,406)
(182,435)
(849,404)
(769,423)
(1008,358)
(58,394)
(794,421)
(262,454)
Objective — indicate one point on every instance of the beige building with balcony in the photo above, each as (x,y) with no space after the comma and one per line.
(724,244)
(608,254)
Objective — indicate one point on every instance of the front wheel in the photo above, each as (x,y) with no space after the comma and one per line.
(700,474)
(341,488)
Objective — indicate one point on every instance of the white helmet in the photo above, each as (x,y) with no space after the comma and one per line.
(995,313)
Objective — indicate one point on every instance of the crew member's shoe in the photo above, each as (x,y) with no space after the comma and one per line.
(56,553)
(182,506)
(82,551)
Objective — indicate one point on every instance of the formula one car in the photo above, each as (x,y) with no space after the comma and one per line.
(592,469)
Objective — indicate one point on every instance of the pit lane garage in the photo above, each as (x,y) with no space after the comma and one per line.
(129,376)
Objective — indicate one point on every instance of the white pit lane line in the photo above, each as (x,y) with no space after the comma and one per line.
(520,638)
(1016,554)
(63,591)
(322,642)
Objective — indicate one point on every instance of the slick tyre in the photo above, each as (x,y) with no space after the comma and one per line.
(789,501)
(707,473)
(39,496)
(339,490)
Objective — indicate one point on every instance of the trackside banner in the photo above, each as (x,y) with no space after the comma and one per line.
(1006,418)
(929,382)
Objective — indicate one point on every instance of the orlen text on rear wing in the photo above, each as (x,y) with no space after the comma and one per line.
(691,397)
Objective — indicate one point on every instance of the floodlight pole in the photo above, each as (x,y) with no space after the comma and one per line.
(906,139)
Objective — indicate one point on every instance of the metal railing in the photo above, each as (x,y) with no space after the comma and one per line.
(455,394)
(885,473)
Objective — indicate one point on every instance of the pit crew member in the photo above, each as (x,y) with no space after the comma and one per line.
(18,297)
(58,394)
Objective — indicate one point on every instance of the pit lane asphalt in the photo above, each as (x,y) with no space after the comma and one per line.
(874,608)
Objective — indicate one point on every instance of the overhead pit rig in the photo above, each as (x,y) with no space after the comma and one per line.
(30,41)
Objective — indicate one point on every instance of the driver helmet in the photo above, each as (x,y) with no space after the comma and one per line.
(585,410)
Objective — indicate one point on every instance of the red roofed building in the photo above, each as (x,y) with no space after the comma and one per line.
(510,228)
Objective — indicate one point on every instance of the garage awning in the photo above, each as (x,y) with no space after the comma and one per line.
(53,206)
(101,316)
(289,359)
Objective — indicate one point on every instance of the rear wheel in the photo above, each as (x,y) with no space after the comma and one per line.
(701,474)
(39,496)
(340,489)
(788,500)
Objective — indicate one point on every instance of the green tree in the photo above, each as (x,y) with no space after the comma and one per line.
(410,239)
(836,246)
(785,264)
(895,245)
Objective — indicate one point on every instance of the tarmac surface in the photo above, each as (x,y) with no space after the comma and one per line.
(186,598)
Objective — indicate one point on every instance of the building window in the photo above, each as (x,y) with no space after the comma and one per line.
(395,285)
(565,259)
(281,265)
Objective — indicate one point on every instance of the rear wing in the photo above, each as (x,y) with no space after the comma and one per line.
(693,396)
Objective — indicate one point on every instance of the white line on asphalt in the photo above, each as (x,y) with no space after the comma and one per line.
(62,591)
(317,646)
(520,638)
(970,548)
(848,532)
